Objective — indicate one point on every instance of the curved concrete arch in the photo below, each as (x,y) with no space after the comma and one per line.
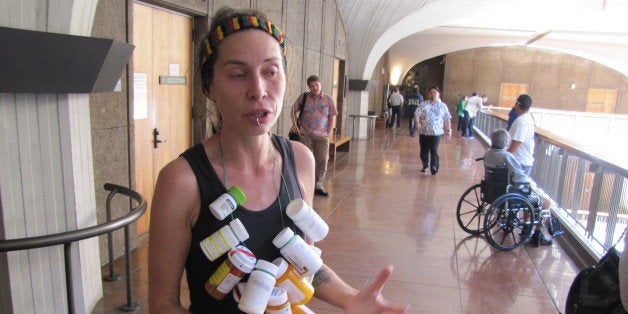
(404,55)
(503,23)
(430,16)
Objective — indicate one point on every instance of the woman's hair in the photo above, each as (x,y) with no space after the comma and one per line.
(434,87)
(222,26)
(500,139)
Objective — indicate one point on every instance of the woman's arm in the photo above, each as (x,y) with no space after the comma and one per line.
(304,160)
(173,210)
(417,122)
(332,289)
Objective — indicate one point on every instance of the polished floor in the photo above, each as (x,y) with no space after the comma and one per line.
(383,210)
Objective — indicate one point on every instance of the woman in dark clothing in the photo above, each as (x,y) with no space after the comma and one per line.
(248,87)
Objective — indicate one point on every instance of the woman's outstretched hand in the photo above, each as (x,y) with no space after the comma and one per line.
(371,300)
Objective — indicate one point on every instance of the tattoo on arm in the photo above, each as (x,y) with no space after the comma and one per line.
(321,277)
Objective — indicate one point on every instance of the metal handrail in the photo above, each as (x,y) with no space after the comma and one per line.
(589,191)
(68,237)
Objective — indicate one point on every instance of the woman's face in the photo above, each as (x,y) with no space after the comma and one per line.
(249,82)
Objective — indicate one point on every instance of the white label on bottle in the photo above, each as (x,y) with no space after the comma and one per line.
(256,294)
(227,207)
(301,257)
(217,244)
(315,227)
(294,294)
(228,283)
(223,206)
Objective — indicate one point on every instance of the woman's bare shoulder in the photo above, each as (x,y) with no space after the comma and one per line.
(176,191)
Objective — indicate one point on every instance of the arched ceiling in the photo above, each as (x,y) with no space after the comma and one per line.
(415,30)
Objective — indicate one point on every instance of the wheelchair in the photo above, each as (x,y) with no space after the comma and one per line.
(506,214)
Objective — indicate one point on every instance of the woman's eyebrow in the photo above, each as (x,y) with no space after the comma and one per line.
(240,62)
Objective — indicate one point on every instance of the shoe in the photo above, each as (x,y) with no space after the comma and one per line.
(539,239)
(424,168)
(412,134)
(554,227)
(434,172)
(321,192)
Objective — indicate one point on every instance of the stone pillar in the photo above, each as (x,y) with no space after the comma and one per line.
(47,181)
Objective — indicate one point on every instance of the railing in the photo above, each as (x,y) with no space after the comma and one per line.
(69,237)
(591,193)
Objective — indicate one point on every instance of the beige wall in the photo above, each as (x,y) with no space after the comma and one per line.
(377,96)
(548,73)
(315,36)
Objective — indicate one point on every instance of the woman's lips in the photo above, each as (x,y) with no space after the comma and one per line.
(258,117)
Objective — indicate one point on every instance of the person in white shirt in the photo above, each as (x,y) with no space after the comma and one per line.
(396,100)
(522,133)
(473,105)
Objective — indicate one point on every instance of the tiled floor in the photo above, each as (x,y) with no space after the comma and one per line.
(383,210)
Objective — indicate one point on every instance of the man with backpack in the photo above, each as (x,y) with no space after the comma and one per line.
(316,122)
(414,99)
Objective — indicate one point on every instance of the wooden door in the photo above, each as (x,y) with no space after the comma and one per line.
(510,92)
(602,101)
(162,74)
(338,91)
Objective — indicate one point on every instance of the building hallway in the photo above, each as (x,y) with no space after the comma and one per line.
(383,210)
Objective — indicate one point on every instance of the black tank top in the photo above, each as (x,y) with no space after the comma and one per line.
(262,226)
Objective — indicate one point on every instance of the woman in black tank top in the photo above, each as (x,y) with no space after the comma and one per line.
(242,65)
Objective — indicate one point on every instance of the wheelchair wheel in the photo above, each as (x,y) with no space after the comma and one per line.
(471,210)
(509,221)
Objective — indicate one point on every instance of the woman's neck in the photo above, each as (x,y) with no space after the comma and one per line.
(246,150)
(251,163)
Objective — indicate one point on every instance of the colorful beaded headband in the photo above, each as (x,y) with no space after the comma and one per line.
(240,23)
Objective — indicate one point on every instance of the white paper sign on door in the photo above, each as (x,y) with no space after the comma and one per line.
(140,96)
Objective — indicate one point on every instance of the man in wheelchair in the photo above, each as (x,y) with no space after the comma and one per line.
(504,174)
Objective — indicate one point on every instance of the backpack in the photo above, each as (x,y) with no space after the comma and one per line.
(595,290)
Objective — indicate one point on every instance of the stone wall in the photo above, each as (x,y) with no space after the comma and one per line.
(548,73)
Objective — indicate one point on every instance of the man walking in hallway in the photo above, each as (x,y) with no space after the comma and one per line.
(396,100)
(316,124)
(414,99)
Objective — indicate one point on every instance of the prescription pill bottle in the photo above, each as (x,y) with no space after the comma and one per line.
(301,309)
(238,290)
(239,262)
(227,203)
(278,302)
(297,252)
(224,239)
(261,282)
(304,216)
(299,290)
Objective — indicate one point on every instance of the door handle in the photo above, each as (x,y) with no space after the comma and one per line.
(156,140)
